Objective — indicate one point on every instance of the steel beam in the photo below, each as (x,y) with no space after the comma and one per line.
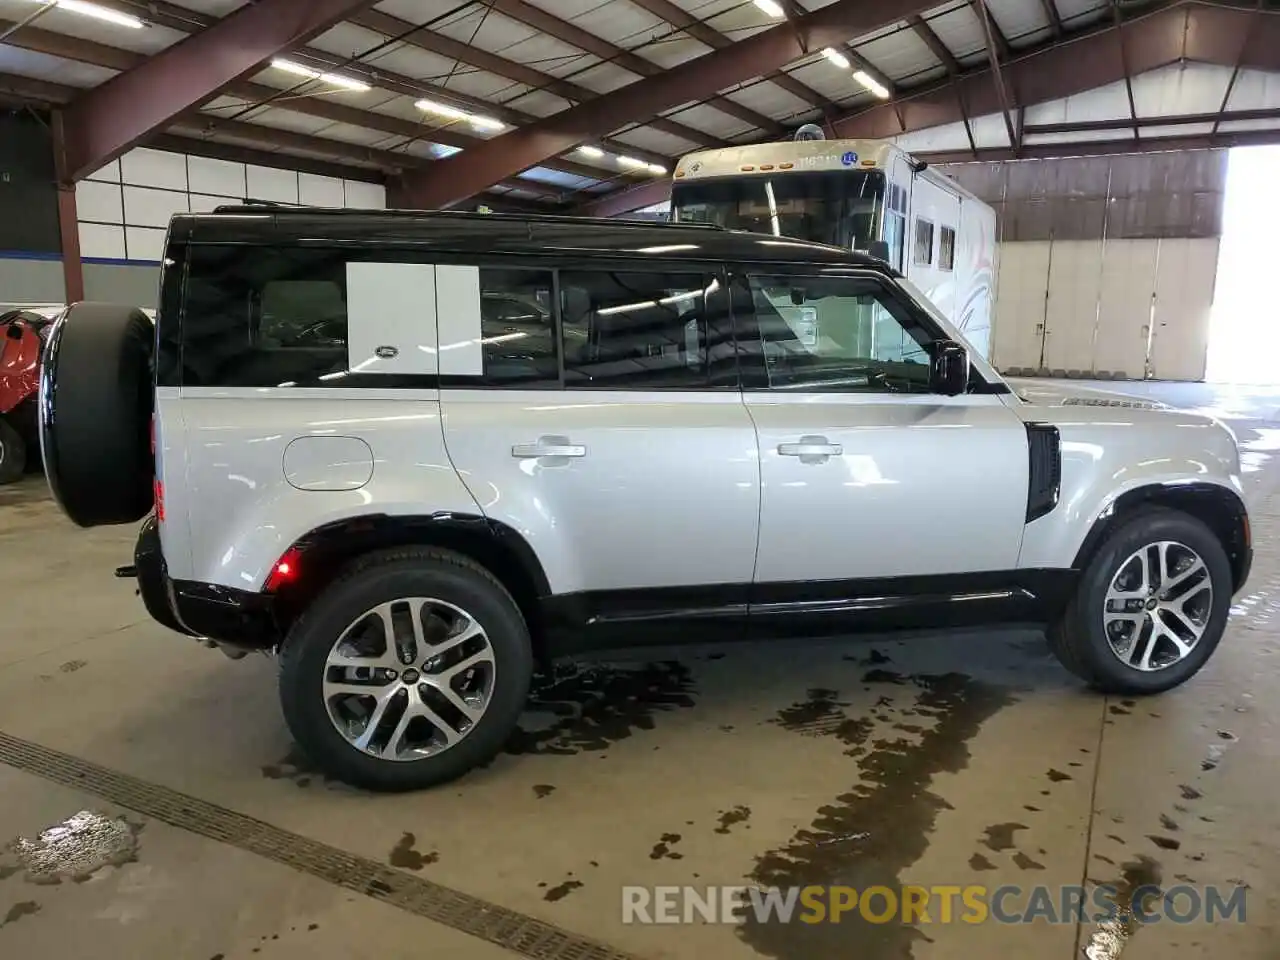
(626,200)
(98,54)
(566,32)
(107,120)
(456,178)
(704,33)
(68,218)
(445,46)
(1086,60)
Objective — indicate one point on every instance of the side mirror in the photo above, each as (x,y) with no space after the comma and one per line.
(949,373)
(879,249)
(13,331)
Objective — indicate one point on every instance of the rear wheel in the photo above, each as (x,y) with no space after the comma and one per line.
(95,413)
(1151,606)
(13,454)
(407,672)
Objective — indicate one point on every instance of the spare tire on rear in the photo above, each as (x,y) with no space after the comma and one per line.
(96,401)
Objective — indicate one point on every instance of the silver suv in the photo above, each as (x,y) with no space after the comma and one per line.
(413,454)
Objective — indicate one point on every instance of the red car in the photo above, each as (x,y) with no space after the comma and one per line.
(24,331)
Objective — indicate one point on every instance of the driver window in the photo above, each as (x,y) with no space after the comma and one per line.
(838,334)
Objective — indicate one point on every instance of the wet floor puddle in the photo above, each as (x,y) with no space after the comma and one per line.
(586,708)
(74,849)
(868,835)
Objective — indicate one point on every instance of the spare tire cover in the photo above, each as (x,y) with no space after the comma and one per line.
(96,401)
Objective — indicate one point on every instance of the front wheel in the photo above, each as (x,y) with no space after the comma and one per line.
(407,672)
(1150,607)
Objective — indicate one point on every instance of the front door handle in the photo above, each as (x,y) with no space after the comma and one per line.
(549,447)
(811,449)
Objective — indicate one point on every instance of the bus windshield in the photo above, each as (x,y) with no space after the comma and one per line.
(840,208)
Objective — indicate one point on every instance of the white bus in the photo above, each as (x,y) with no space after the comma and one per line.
(860,195)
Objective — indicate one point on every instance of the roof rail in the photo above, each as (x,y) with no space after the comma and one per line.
(256,206)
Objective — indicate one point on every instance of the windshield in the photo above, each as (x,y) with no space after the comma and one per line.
(841,208)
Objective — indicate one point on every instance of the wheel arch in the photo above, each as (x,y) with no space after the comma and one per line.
(1220,508)
(324,551)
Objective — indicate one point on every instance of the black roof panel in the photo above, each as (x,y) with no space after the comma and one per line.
(504,233)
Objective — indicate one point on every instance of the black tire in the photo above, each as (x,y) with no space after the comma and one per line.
(380,578)
(96,400)
(1078,638)
(13,454)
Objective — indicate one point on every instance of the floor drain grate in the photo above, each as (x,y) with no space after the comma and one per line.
(517,932)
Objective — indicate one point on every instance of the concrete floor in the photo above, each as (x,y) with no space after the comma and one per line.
(956,760)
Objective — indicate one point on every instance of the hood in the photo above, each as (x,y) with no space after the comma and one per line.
(1065,393)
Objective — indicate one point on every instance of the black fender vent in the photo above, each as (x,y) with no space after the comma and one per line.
(1044,481)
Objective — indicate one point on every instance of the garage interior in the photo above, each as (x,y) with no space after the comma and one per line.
(1126,147)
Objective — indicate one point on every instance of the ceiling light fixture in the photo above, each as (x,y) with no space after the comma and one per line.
(453,113)
(771,7)
(337,80)
(100,13)
(657,168)
(633,162)
(872,84)
(836,57)
(595,153)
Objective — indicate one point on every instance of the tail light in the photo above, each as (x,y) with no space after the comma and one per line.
(286,570)
(157,486)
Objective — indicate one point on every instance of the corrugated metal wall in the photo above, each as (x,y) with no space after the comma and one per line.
(1125,197)
(1107,264)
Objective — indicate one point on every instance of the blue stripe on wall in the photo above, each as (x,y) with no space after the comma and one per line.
(39,255)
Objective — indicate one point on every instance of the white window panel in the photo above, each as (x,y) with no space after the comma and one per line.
(154,168)
(268,183)
(458,320)
(316,191)
(221,178)
(391,318)
(111,172)
(99,202)
(101,242)
(366,196)
(144,207)
(144,243)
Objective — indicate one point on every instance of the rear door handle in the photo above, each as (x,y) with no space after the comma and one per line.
(549,447)
(811,449)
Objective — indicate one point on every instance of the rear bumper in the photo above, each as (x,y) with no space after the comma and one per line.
(231,618)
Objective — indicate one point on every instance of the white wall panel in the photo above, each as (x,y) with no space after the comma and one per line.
(1071,315)
(366,196)
(1183,302)
(111,172)
(101,241)
(314,191)
(154,168)
(144,207)
(129,221)
(1180,89)
(221,178)
(1124,307)
(1020,304)
(203,203)
(1114,308)
(99,202)
(144,243)
(1254,90)
(267,183)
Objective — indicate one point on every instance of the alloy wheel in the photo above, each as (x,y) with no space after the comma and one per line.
(409,678)
(1158,606)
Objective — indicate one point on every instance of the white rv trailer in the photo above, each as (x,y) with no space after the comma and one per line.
(852,193)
